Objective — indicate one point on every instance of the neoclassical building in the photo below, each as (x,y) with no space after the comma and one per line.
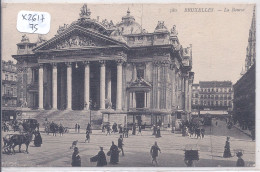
(117,69)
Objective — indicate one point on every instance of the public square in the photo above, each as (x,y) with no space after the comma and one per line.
(56,152)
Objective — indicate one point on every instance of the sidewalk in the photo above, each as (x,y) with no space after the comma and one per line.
(246,132)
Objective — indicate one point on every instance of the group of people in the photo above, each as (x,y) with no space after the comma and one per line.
(100,158)
(227,154)
(156,131)
(122,130)
(77,128)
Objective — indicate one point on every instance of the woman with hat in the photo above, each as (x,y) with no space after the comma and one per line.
(227,153)
(240,161)
(76,160)
(101,158)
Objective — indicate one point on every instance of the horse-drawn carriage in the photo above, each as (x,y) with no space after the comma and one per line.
(55,128)
(29,125)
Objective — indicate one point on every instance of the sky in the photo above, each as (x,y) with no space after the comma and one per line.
(219,39)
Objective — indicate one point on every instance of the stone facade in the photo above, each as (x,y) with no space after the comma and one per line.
(117,69)
(245,87)
(212,95)
(9,84)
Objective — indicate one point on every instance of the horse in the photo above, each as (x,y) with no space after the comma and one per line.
(19,139)
(52,128)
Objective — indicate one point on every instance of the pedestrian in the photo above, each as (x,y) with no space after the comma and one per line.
(87,136)
(120,129)
(101,158)
(126,130)
(134,129)
(61,130)
(108,129)
(76,160)
(154,153)
(154,130)
(240,161)
(216,123)
(89,127)
(202,132)
(253,134)
(120,144)
(139,129)
(37,139)
(227,153)
(158,132)
(114,154)
(76,127)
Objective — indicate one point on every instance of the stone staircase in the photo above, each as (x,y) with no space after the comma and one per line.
(66,118)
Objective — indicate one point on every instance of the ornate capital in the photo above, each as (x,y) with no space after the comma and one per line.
(157,63)
(165,62)
(86,63)
(54,65)
(102,62)
(40,65)
(68,64)
(120,62)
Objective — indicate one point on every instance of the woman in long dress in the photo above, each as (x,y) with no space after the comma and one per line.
(114,158)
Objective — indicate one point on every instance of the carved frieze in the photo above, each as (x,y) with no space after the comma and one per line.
(75,41)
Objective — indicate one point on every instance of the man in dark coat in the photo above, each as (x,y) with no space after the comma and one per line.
(108,130)
(134,129)
(154,152)
(61,130)
(38,139)
(240,161)
(101,158)
(114,157)
(76,160)
(158,132)
(120,144)
(87,136)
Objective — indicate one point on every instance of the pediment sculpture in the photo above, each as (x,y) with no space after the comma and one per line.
(75,41)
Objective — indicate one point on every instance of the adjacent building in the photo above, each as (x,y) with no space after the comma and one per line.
(121,70)
(9,84)
(244,88)
(212,95)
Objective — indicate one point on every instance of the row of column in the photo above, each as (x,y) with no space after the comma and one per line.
(86,85)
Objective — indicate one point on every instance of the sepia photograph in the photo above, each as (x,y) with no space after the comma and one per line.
(128,85)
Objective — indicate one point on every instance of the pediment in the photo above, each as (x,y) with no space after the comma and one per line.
(77,37)
(140,83)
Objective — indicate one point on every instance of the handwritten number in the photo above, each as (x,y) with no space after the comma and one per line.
(42,17)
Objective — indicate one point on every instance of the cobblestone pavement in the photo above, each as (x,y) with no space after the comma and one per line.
(56,152)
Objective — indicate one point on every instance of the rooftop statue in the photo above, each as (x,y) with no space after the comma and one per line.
(85,12)
(25,38)
(174,32)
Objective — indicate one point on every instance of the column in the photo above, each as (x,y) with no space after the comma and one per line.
(109,85)
(54,86)
(86,85)
(134,72)
(148,100)
(40,86)
(69,86)
(130,100)
(102,84)
(119,85)
(145,99)
(186,93)
(134,100)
